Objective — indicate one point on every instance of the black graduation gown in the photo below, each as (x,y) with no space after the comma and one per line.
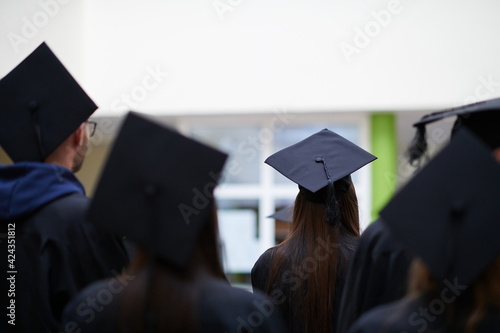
(221,309)
(57,255)
(260,273)
(417,315)
(377,275)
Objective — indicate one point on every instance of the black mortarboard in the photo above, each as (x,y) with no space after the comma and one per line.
(283,214)
(157,188)
(323,161)
(482,118)
(449,212)
(41,104)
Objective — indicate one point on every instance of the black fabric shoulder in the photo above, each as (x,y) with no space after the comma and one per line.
(377,274)
(95,308)
(227,309)
(60,254)
(388,318)
(221,308)
(260,270)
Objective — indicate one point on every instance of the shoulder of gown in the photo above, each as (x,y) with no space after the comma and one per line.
(260,270)
(227,309)
(377,274)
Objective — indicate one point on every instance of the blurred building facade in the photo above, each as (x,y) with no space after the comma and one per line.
(252,77)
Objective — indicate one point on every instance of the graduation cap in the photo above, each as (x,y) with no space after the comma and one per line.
(321,165)
(448,214)
(482,118)
(41,104)
(157,189)
(284,214)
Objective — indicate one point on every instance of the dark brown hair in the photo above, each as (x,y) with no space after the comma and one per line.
(164,298)
(468,309)
(313,298)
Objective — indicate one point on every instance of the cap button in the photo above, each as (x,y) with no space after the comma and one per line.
(318,159)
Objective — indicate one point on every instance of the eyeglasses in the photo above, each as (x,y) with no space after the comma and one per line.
(93,126)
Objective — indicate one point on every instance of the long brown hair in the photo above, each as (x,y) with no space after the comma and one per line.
(469,309)
(164,298)
(313,253)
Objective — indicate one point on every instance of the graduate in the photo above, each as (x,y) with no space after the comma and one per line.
(157,189)
(45,130)
(448,217)
(379,270)
(305,273)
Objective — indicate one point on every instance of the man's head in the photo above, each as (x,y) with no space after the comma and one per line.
(43,111)
(71,152)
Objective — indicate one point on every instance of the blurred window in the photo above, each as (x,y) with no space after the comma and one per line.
(251,190)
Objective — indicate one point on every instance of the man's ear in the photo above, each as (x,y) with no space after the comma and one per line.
(78,135)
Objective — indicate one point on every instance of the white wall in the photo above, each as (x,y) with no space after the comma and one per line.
(25,24)
(263,54)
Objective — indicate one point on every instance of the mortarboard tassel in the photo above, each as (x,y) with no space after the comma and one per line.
(332,206)
(418,146)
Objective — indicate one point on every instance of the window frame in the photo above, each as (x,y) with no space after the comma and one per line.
(266,192)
